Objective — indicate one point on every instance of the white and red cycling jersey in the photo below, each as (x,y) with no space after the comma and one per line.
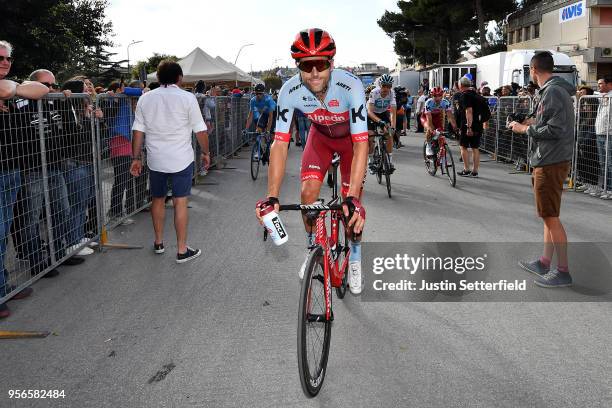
(336,123)
(341,114)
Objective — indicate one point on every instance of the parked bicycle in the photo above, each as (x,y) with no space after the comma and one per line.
(441,156)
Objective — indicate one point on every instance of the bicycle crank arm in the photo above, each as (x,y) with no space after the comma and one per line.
(319,318)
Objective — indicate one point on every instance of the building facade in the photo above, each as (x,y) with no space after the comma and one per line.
(580,29)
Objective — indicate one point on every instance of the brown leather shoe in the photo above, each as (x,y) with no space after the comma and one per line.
(23,294)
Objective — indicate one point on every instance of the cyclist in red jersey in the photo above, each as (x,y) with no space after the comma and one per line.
(436,109)
(334,101)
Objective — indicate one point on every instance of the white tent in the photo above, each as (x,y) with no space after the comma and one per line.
(199,65)
(247,77)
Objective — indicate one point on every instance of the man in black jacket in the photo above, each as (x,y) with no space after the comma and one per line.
(552,142)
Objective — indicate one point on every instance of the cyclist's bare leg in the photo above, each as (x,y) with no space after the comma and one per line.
(310,193)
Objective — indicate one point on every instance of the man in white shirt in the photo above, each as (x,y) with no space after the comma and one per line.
(603,130)
(420,107)
(168,115)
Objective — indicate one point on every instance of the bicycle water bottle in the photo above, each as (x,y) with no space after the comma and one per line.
(274,225)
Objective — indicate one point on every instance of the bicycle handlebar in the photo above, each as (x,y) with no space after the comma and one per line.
(314,207)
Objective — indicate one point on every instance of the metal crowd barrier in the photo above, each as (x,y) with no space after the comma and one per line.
(49,208)
(592,168)
(64,175)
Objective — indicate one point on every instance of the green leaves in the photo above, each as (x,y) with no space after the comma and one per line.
(59,35)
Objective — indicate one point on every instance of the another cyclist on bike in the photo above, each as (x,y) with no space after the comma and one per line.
(261,110)
(436,110)
(334,101)
(382,109)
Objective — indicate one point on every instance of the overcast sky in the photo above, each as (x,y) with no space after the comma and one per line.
(220,28)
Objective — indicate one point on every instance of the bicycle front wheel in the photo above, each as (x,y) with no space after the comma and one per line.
(430,161)
(255,159)
(450,166)
(386,164)
(314,330)
(376,157)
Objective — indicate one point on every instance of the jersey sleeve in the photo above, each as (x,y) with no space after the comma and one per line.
(284,113)
(428,106)
(271,104)
(447,105)
(358,113)
(252,104)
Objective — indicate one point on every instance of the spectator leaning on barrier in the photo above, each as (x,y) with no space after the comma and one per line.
(552,142)
(169,151)
(10,176)
(603,130)
(119,116)
(587,164)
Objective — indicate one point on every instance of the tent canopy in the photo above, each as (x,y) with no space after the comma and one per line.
(199,65)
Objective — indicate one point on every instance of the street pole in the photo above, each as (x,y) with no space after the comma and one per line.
(237,55)
(128,56)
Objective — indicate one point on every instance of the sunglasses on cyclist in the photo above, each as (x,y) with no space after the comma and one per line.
(8,59)
(52,86)
(320,65)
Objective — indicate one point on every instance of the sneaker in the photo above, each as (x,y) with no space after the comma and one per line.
(554,279)
(4,311)
(372,166)
(355,277)
(606,196)
(21,295)
(591,190)
(89,242)
(158,248)
(82,252)
(536,267)
(304,264)
(188,255)
(73,261)
(428,150)
(473,174)
(464,173)
(128,221)
(595,192)
(54,272)
(582,188)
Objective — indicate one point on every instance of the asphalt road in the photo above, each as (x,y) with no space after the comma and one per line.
(134,329)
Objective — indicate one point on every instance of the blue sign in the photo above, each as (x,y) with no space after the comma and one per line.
(572,12)
(366,79)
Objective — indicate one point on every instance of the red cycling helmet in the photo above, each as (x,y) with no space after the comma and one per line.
(313,42)
(436,91)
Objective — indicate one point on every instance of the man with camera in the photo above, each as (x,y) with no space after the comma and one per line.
(551,131)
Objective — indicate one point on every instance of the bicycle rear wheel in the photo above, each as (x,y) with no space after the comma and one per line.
(450,166)
(430,162)
(386,165)
(255,159)
(314,330)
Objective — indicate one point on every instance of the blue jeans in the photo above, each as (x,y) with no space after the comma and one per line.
(10,181)
(27,234)
(303,125)
(60,210)
(80,188)
(601,153)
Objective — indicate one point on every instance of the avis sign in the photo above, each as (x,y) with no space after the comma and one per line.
(572,12)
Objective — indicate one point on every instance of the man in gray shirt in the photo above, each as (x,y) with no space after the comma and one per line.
(552,139)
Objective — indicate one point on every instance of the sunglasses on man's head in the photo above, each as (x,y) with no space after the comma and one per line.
(320,65)
(8,59)
(48,85)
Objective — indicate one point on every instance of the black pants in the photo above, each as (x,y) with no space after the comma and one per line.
(122,183)
(587,166)
(419,124)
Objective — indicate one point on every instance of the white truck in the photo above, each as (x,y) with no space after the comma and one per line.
(500,69)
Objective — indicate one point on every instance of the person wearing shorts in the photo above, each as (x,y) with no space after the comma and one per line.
(551,134)
(169,151)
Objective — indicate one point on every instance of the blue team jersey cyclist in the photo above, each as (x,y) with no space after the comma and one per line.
(261,110)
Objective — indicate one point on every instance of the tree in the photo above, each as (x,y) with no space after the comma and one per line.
(428,31)
(151,63)
(64,36)
(273,82)
(492,10)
